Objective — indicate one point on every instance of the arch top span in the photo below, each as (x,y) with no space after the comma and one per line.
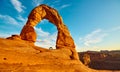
(64,39)
(44,12)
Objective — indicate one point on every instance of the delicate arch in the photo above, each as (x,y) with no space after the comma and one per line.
(64,40)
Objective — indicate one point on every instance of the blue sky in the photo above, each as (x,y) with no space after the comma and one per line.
(93,24)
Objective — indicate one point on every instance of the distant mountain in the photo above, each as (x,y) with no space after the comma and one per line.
(109,60)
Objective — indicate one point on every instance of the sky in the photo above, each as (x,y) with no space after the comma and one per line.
(93,24)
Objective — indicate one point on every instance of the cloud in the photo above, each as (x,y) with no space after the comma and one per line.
(49,41)
(55,4)
(57,1)
(10,23)
(4,35)
(37,2)
(94,37)
(64,6)
(45,39)
(116,28)
(8,19)
(41,33)
(7,34)
(89,41)
(21,20)
(17,5)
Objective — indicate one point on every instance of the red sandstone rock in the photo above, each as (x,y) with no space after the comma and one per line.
(64,39)
(28,33)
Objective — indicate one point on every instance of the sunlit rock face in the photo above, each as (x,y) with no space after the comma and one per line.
(64,39)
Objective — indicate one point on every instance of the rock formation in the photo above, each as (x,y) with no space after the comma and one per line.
(64,40)
(16,37)
(86,59)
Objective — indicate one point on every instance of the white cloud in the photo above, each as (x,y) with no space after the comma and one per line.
(41,33)
(8,19)
(64,6)
(94,37)
(9,23)
(7,34)
(4,35)
(57,1)
(49,41)
(55,4)
(37,2)
(21,18)
(17,5)
(89,42)
(45,39)
(86,48)
(116,28)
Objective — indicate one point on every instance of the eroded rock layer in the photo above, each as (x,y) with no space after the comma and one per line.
(64,39)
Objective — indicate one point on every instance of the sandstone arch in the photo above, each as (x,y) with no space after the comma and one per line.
(64,39)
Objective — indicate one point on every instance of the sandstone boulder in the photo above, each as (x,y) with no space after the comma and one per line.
(15,37)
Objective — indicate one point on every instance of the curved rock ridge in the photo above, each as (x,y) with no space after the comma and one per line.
(64,39)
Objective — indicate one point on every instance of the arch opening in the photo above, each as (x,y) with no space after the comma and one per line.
(46,34)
